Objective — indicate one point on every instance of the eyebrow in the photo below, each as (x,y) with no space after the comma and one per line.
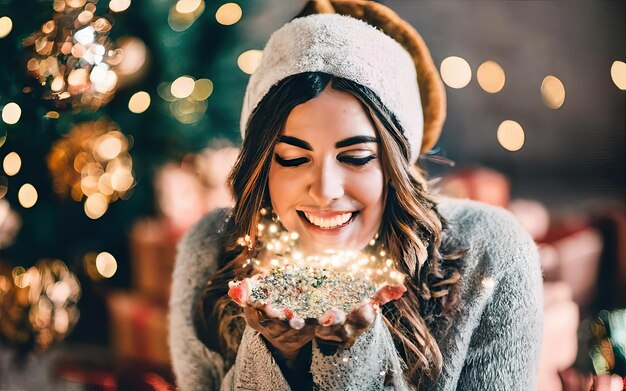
(340,144)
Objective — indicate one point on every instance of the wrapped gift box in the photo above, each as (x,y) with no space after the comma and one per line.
(138,327)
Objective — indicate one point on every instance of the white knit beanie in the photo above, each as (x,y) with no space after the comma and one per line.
(345,47)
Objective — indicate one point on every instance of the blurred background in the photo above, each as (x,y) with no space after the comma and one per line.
(120,121)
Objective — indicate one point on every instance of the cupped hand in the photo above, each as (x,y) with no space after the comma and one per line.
(343,330)
(286,332)
(288,336)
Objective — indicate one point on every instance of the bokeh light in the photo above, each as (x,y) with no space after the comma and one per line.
(27,195)
(3,136)
(139,102)
(96,205)
(455,72)
(4,186)
(119,5)
(6,25)
(182,87)
(490,76)
(228,14)
(12,163)
(249,60)
(618,74)
(92,160)
(11,113)
(184,13)
(511,135)
(552,92)
(202,89)
(106,264)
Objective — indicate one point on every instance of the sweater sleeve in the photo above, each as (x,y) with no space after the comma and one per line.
(195,366)
(504,348)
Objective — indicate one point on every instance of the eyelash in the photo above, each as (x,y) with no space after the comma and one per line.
(352,161)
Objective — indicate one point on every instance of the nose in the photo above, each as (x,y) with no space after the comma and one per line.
(327,183)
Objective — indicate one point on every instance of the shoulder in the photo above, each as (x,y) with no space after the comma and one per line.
(491,235)
(205,232)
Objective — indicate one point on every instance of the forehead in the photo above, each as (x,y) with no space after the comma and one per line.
(331,116)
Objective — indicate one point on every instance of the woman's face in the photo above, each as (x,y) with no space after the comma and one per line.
(325,181)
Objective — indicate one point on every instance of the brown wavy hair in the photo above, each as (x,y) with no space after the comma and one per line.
(411,227)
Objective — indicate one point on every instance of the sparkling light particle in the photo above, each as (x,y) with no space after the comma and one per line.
(511,135)
(187,6)
(6,25)
(12,163)
(552,92)
(96,205)
(490,76)
(455,72)
(228,14)
(27,195)
(11,113)
(139,102)
(618,74)
(203,89)
(119,5)
(106,264)
(182,87)
(248,61)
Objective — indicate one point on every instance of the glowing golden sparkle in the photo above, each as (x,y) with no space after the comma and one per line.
(139,102)
(511,135)
(187,6)
(618,74)
(455,72)
(490,76)
(11,113)
(12,163)
(182,87)
(96,205)
(228,14)
(248,61)
(202,89)
(119,5)
(27,195)
(6,25)
(552,92)
(106,264)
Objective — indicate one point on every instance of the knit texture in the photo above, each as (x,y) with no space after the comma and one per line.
(492,341)
(345,47)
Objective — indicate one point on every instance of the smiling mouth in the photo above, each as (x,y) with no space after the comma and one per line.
(329,223)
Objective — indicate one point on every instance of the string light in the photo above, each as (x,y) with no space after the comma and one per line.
(73,57)
(281,248)
(228,14)
(6,25)
(618,74)
(106,264)
(552,92)
(490,76)
(27,195)
(11,113)
(12,163)
(248,61)
(92,160)
(139,102)
(511,135)
(455,72)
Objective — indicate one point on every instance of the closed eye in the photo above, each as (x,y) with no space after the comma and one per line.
(290,162)
(356,161)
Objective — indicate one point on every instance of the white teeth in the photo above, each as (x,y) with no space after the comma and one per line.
(328,222)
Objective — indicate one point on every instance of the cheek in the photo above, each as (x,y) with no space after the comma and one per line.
(282,190)
(369,191)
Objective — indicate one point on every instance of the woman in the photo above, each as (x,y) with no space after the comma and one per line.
(332,123)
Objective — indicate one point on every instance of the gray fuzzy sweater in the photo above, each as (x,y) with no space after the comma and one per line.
(491,343)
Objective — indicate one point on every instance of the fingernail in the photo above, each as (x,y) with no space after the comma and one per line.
(327,319)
